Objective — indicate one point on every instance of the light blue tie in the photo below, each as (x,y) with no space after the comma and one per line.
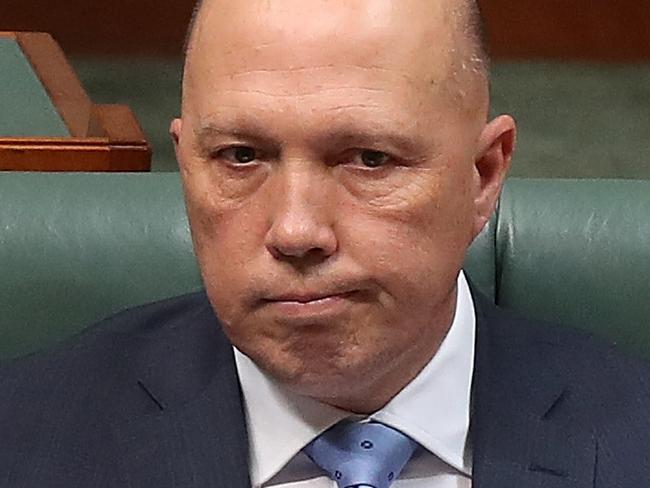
(362,454)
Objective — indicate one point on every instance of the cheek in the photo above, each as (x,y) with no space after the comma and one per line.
(413,240)
(228,236)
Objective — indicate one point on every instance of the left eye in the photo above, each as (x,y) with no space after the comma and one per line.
(374,159)
(238,155)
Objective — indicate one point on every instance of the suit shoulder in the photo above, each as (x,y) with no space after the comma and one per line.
(96,377)
(508,326)
(102,344)
(126,367)
(153,317)
(609,388)
(566,388)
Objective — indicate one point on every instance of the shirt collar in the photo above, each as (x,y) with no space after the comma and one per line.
(433,409)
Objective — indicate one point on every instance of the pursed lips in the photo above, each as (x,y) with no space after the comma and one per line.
(306,298)
(309,305)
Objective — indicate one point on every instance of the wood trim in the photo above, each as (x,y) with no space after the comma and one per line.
(88,155)
(59,79)
(118,124)
(104,137)
(119,145)
(63,142)
(129,149)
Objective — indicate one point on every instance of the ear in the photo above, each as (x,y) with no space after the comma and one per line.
(495,149)
(175,130)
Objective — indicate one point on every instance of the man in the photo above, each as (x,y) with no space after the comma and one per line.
(337,162)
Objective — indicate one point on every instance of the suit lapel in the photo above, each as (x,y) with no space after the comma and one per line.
(201,445)
(193,433)
(522,429)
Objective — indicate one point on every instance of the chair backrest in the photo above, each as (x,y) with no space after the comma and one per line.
(75,248)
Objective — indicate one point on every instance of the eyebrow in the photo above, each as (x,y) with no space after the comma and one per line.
(248,131)
(375,135)
(256,133)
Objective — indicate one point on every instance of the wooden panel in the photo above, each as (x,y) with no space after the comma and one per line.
(115,27)
(104,137)
(567,29)
(88,155)
(49,154)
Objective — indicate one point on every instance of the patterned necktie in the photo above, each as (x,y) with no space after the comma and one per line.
(361,454)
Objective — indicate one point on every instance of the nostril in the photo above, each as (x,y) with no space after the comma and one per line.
(310,259)
(304,240)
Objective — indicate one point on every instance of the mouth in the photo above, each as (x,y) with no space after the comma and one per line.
(306,298)
(309,305)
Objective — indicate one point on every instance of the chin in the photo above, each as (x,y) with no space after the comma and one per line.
(323,374)
(300,371)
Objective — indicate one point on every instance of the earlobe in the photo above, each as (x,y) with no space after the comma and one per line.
(495,149)
(175,130)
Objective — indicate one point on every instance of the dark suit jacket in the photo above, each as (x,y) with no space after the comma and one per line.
(150,398)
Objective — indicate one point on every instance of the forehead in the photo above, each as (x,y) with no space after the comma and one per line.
(407,40)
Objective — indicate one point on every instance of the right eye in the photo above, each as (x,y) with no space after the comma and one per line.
(374,159)
(237,155)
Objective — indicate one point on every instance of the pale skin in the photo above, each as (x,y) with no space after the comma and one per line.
(336,166)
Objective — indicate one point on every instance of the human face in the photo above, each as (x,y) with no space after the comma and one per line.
(331,180)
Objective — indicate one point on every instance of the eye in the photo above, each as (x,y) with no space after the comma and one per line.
(239,155)
(374,159)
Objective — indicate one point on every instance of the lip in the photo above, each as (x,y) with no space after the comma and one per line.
(307,297)
(309,304)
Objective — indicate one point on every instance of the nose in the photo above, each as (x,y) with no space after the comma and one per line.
(302,216)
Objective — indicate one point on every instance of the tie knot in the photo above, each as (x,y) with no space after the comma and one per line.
(362,454)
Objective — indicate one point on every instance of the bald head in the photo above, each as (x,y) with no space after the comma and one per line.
(463,21)
(474,28)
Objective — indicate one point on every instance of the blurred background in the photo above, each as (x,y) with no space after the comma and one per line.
(574,73)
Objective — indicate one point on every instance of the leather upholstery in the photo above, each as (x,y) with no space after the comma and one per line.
(578,252)
(75,248)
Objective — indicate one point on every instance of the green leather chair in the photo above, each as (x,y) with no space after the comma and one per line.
(75,248)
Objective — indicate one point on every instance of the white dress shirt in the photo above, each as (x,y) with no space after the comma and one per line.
(433,409)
